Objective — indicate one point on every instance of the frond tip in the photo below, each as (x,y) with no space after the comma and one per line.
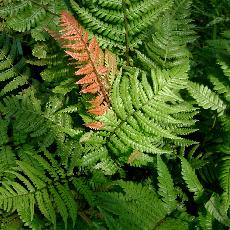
(88,54)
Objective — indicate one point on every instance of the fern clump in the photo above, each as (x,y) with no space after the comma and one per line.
(114,114)
(31,16)
(14,73)
(119,25)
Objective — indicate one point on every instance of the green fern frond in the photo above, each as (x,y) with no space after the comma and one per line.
(83,189)
(171,34)
(34,189)
(145,109)
(215,208)
(3,132)
(13,70)
(191,179)
(220,87)
(136,206)
(166,186)
(118,23)
(224,177)
(32,121)
(206,221)
(58,73)
(32,16)
(206,98)
(173,224)
(7,159)
(95,156)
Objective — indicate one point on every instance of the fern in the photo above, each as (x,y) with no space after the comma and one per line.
(95,155)
(37,189)
(32,121)
(224,176)
(206,98)
(166,187)
(147,114)
(96,79)
(3,132)
(14,73)
(32,16)
(137,207)
(215,209)
(133,165)
(170,35)
(191,179)
(119,24)
(7,159)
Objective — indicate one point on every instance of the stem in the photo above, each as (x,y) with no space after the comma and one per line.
(124,5)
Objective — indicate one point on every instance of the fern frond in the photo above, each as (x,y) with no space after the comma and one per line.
(166,46)
(191,179)
(14,73)
(224,177)
(215,208)
(96,156)
(3,132)
(83,51)
(31,16)
(206,98)
(7,159)
(34,188)
(166,186)
(94,70)
(144,112)
(112,21)
(35,123)
(220,87)
(137,207)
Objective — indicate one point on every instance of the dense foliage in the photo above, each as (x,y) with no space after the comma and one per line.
(114,114)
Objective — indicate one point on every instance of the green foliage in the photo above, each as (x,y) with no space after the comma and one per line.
(32,16)
(167,43)
(139,207)
(190,178)
(120,24)
(29,119)
(158,158)
(137,122)
(206,98)
(166,186)
(14,72)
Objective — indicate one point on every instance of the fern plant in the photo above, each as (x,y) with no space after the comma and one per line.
(122,122)
(166,43)
(119,25)
(32,16)
(14,73)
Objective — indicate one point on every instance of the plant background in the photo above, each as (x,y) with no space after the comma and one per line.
(154,154)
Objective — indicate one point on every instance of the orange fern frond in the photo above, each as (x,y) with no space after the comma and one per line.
(94,125)
(85,51)
(99,110)
(94,70)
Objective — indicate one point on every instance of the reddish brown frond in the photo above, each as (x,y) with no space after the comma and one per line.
(94,67)
(93,44)
(89,78)
(97,101)
(94,125)
(93,88)
(102,70)
(78,46)
(99,110)
(78,56)
(85,70)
